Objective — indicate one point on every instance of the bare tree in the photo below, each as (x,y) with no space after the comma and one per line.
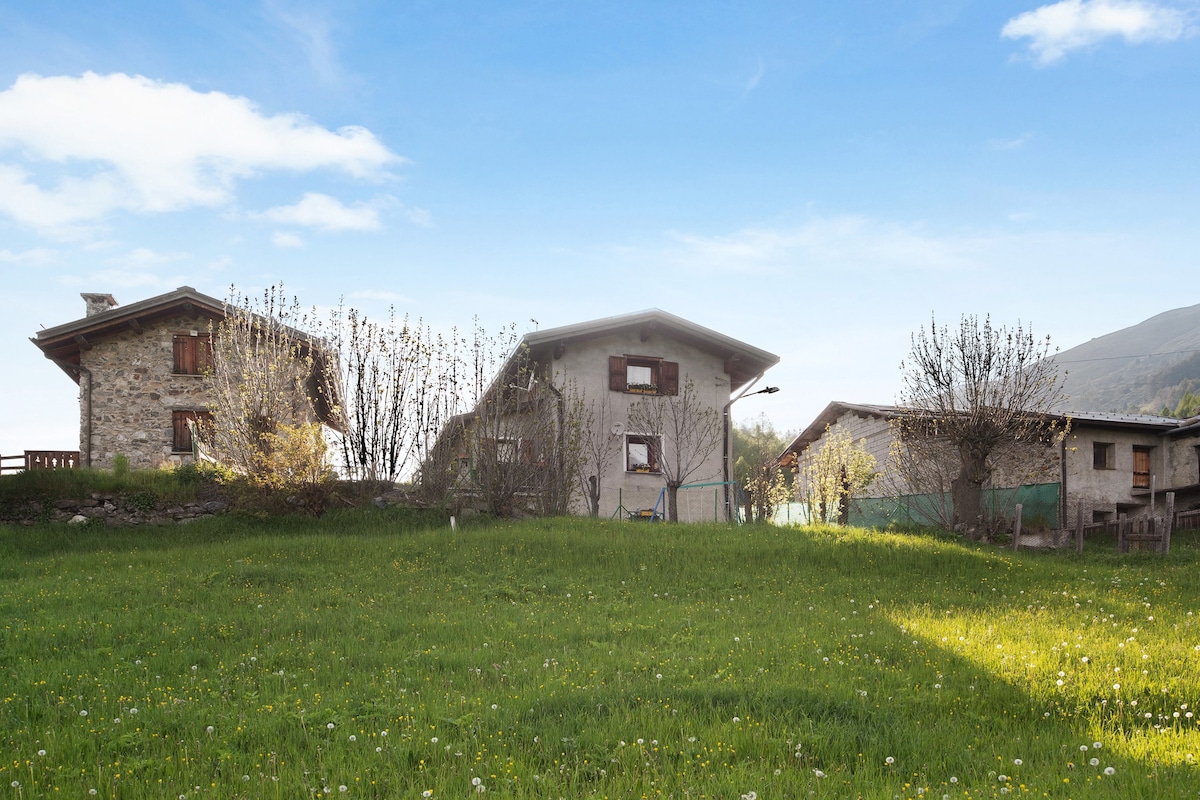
(681,431)
(978,388)
(598,445)
(765,484)
(267,379)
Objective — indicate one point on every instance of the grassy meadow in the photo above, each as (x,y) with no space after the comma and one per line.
(377,656)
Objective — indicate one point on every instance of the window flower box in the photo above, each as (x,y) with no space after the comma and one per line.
(643,388)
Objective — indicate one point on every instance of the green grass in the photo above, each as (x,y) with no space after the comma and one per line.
(572,658)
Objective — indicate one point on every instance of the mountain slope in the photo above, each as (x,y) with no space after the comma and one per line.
(1143,368)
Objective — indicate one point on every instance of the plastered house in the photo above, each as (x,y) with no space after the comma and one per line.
(613,363)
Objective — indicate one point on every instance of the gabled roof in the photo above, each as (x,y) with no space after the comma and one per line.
(743,362)
(1148,423)
(62,343)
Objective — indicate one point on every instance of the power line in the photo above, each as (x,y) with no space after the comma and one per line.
(1117,358)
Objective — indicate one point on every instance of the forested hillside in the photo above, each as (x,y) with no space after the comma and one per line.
(1149,368)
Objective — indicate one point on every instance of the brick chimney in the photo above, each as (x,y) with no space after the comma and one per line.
(97,303)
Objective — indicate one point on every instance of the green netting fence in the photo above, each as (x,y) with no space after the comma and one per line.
(1039,508)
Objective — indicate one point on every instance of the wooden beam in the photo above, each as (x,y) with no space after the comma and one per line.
(82,341)
(135,326)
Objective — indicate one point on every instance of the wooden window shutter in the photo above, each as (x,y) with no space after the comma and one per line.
(617,380)
(185,358)
(670,378)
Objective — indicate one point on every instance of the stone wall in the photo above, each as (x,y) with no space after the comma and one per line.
(112,510)
(133,393)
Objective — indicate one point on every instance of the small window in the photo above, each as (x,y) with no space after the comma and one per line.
(1103,455)
(182,424)
(193,353)
(641,454)
(1101,516)
(1141,467)
(643,375)
(506,451)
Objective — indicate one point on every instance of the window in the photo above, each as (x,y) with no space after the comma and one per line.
(641,454)
(643,375)
(1103,455)
(1141,467)
(1101,516)
(193,353)
(182,423)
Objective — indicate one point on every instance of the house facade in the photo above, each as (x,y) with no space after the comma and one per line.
(1106,466)
(141,371)
(604,368)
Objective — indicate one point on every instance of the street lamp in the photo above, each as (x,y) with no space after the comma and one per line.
(729,441)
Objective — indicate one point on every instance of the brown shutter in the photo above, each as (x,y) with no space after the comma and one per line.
(182,438)
(670,378)
(617,377)
(528,451)
(181,356)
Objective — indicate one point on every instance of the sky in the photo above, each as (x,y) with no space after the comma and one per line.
(817,179)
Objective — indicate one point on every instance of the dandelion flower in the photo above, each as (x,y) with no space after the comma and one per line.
(818,773)
(1095,762)
(889,760)
(1096,745)
(1109,771)
(1018,762)
(476,781)
(330,726)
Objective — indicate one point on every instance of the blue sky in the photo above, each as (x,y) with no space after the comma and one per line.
(817,179)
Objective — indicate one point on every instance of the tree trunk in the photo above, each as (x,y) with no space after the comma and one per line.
(966,491)
(594,495)
(672,503)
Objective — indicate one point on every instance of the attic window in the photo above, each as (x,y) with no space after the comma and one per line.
(643,375)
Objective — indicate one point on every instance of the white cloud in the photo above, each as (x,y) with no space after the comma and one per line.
(118,142)
(1054,30)
(327,213)
(284,239)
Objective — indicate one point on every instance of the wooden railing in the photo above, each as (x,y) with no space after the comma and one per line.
(41,459)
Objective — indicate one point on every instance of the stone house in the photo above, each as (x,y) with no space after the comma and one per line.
(1108,465)
(141,374)
(608,365)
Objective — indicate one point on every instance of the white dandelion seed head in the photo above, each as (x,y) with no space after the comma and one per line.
(818,773)
(1094,762)
(1018,762)
(353,738)
(41,752)
(476,781)
(1096,745)
(83,712)
(1109,771)
(889,760)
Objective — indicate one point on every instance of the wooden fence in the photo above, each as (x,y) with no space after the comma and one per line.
(1141,533)
(41,459)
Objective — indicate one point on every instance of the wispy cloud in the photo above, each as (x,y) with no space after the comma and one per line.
(845,243)
(34,257)
(316,210)
(311,30)
(134,144)
(1010,144)
(285,239)
(1055,30)
(755,78)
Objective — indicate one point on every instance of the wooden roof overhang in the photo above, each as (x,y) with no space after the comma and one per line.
(62,344)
